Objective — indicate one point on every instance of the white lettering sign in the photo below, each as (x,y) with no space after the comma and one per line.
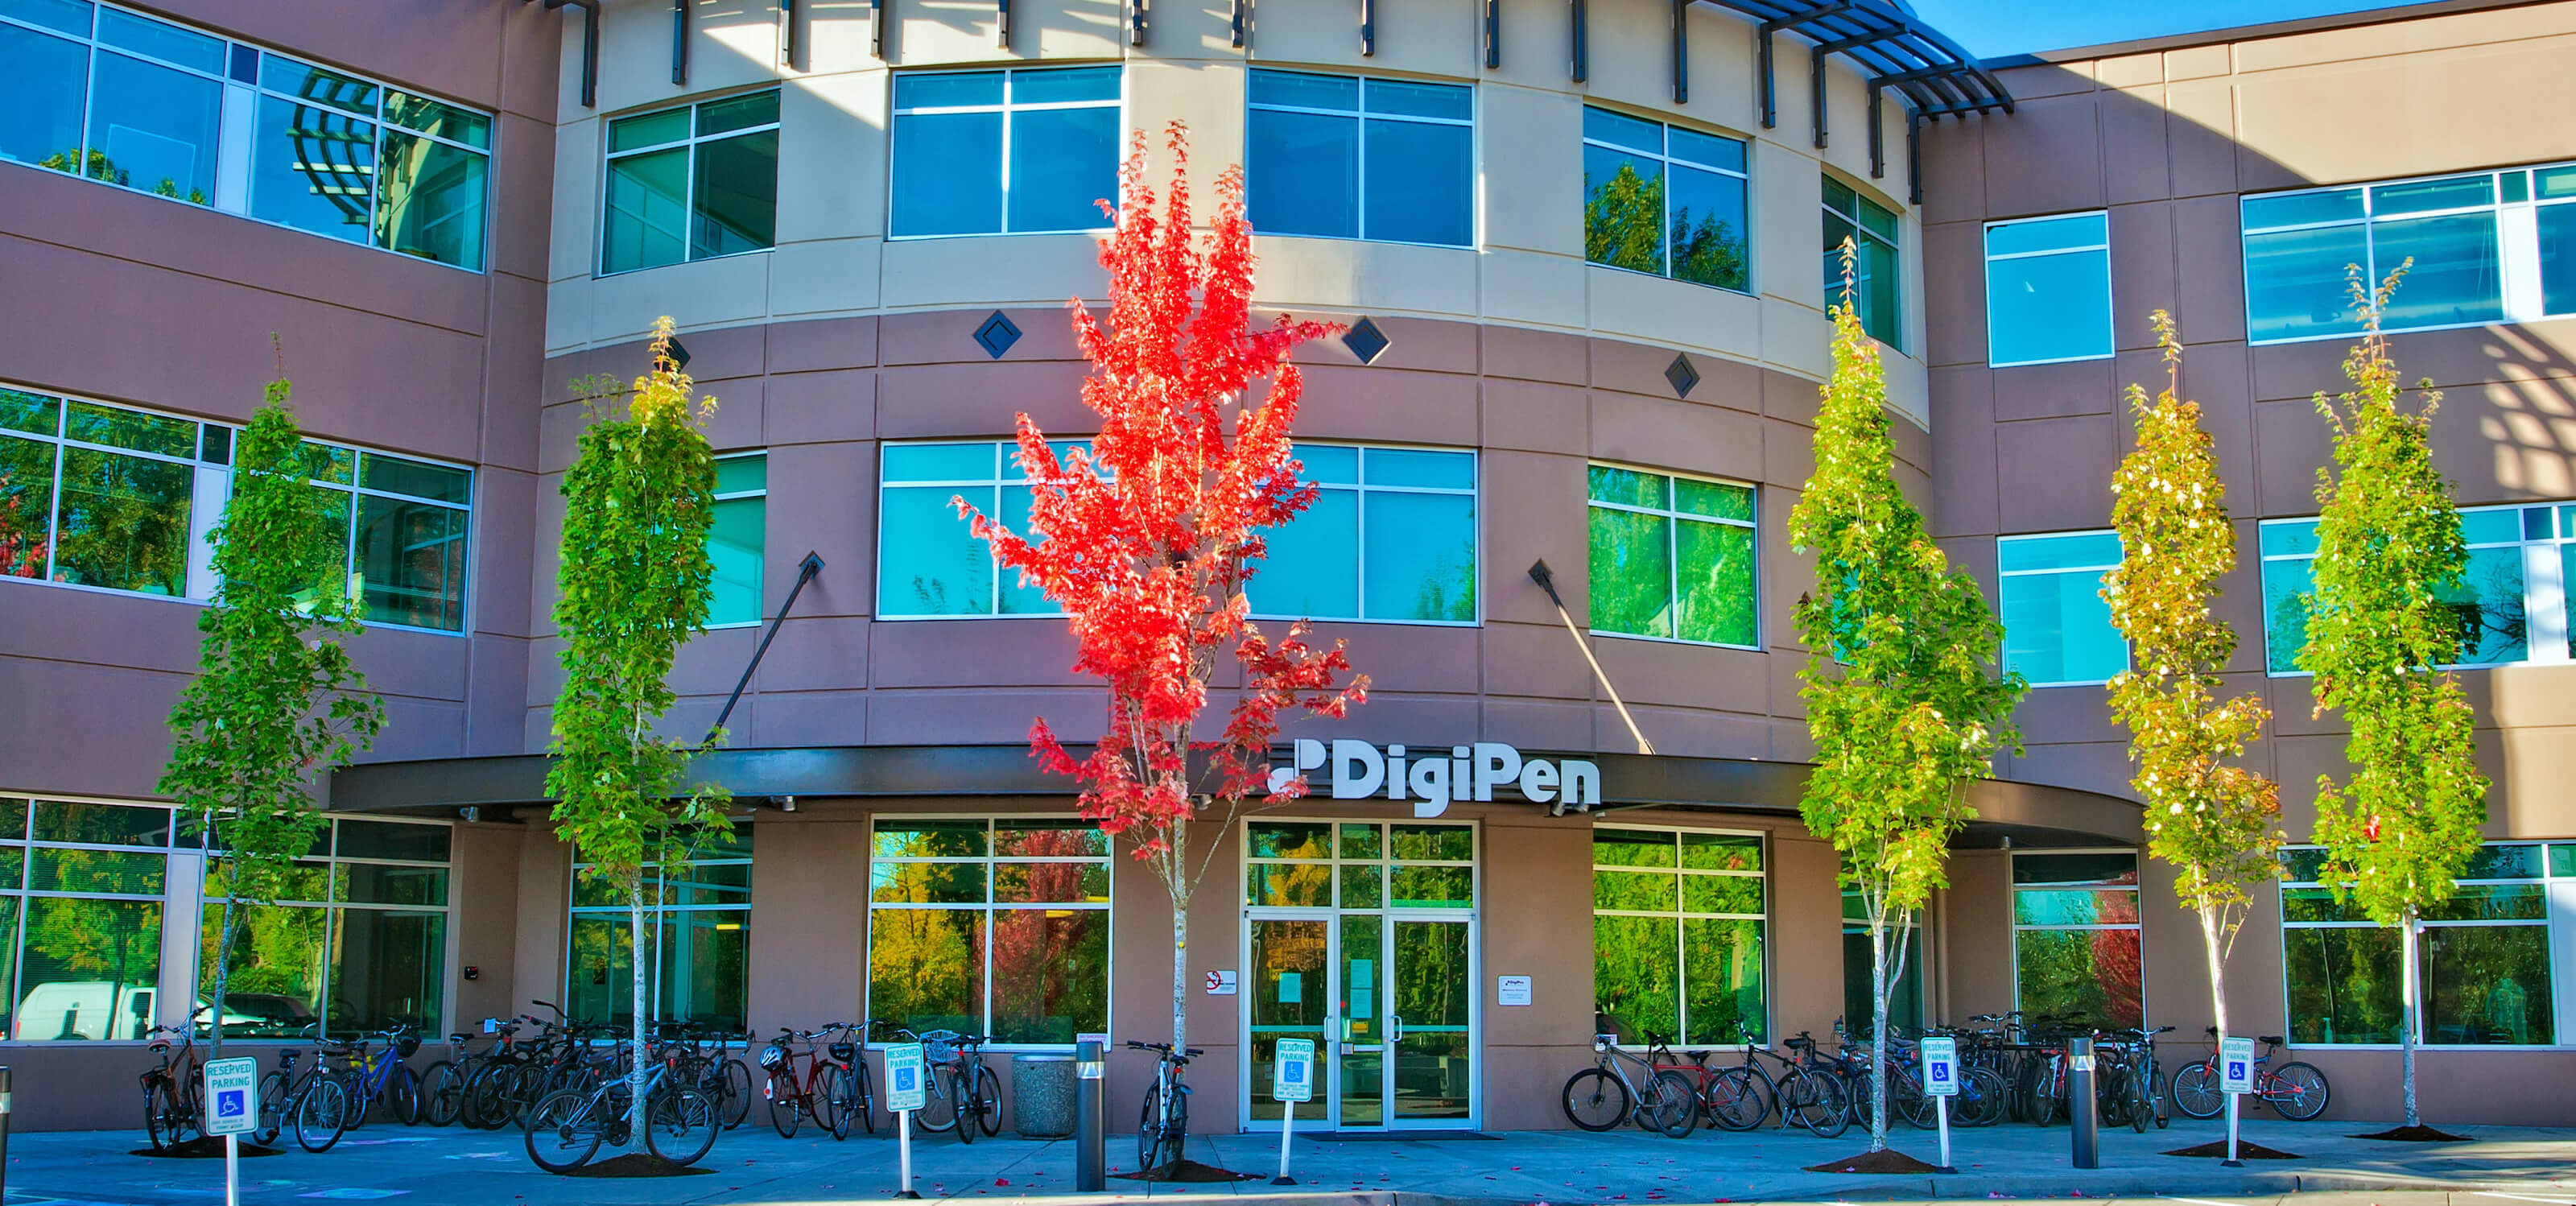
(232,1096)
(2236,1065)
(1941,1067)
(1293,1075)
(1357,770)
(1511,990)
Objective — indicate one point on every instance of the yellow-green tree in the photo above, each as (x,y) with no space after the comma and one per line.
(634,583)
(2400,828)
(2216,822)
(1903,702)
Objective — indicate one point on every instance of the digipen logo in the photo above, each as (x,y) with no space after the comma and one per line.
(1469,772)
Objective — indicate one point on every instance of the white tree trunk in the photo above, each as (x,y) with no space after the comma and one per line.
(635,1083)
(1878,1034)
(2406,949)
(223,974)
(2209,941)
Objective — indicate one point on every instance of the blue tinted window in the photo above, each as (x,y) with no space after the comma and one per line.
(1391,536)
(2503,615)
(41,122)
(709,186)
(1336,157)
(1681,215)
(2557,258)
(2057,627)
(2048,290)
(312,167)
(2301,250)
(1004,152)
(153,128)
(929,562)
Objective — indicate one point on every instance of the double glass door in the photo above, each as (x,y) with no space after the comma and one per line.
(1383,983)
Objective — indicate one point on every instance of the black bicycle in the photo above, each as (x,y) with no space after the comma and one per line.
(1165,1127)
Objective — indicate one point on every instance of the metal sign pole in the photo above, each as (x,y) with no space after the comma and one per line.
(2232,1161)
(232,1170)
(903,1130)
(1287,1122)
(1942,1105)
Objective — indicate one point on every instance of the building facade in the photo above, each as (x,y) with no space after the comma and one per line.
(1585,264)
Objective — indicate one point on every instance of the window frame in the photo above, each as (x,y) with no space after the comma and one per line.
(2519,296)
(1004,462)
(990,906)
(2126,653)
(1008,108)
(1672,549)
(689,207)
(1681,912)
(2110,305)
(725,496)
(1664,128)
(1362,489)
(329,863)
(234,137)
(2549,637)
(1361,117)
(2557,943)
(2137,889)
(656,917)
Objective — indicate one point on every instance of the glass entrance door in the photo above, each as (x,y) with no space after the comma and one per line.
(1363,940)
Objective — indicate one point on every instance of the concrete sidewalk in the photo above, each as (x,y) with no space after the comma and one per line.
(424,1167)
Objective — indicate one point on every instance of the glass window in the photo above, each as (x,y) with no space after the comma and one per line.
(355,944)
(1370,865)
(691,183)
(2075,939)
(997,927)
(1678,950)
(1876,285)
(2300,248)
(1004,152)
(2048,289)
(697,920)
(81,894)
(1904,998)
(1391,537)
(928,561)
(1672,557)
(2057,626)
(2485,957)
(2510,601)
(1347,158)
(736,539)
(1665,200)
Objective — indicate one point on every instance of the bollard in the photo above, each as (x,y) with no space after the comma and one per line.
(1090,1118)
(2082,1111)
(4,1130)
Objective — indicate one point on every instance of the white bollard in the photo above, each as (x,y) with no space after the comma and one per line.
(1287,1122)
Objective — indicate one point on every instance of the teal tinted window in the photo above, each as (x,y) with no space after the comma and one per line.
(2484,957)
(1391,536)
(929,562)
(1664,200)
(684,187)
(2300,249)
(1671,557)
(2048,290)
(1004,152)
(2506,612)
(735,540)
(2057,626)
(1351,158)
(1875,285)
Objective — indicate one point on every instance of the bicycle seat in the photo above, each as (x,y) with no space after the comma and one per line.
(1699,1056)
(2273,1039)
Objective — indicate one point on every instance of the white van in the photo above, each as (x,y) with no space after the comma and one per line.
(83,1009)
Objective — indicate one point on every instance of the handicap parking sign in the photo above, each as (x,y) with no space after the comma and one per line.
(1941,1067)
(2236,1065)
(1295,1071)
(233,1086)
(905,1089)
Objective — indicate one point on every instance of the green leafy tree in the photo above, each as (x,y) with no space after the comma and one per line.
(2217,823)
(2405,822)
(277,700)
(634,586)
(1903,703)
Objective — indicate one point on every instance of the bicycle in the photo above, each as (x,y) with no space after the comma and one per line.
(442,1083)
(2130,1079)
(322,1106)
(816,1095)
(978,1094)
(1164,1131)
(1670,1109)
(384,1077)
(2296,1091)
(566,1127)
(172,1092)
(1740,1098)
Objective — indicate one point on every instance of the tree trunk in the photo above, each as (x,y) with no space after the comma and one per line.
(2217,969)
(223,975)
(1878,1034)
(2413,987)
(1180,974)
(636,961)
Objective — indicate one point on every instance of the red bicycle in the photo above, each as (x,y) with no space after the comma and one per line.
(825,1090)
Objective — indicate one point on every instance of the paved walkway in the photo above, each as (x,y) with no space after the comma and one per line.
(2505,1167)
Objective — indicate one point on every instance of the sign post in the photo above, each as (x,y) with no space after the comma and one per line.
(232,1107)
(2235,1079)
(1941,1083)
(907,1089)
(1292,1080)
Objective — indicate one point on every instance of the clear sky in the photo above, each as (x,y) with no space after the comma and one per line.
(1994,28)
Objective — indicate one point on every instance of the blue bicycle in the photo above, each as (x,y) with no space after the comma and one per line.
(373,1077)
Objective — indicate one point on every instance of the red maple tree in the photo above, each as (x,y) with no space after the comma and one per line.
(1146,538)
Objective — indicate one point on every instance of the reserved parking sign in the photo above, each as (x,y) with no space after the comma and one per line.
(1293,1075)
(2236,1065)
(1941,1067)
(232,1096)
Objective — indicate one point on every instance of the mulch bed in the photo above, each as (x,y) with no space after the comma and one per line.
(637,1164)
(2217,1150)
(1888,1161)
(1187,1171)
(2417,1134)
(204,1148)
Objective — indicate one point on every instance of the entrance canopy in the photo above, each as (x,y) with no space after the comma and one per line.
(2028,814)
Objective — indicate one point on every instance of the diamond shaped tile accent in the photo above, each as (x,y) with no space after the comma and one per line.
(1365,340)
(1682,375)
(997,334)
(679,355)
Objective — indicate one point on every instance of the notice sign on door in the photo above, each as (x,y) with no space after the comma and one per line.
(232,1096)
(1511,990)
(1220,984)
(1293,1073)
(1941,1067)
(2236,1065)
(906,1088)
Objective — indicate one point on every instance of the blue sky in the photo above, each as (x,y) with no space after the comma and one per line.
(1993,28)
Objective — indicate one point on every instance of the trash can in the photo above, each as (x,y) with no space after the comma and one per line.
(1042,1096)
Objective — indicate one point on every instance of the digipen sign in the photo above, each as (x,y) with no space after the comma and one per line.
(1467,772)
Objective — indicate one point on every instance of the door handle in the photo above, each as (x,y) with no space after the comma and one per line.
(1394,1028)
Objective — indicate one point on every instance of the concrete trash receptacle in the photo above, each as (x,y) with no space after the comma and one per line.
(1042,1096)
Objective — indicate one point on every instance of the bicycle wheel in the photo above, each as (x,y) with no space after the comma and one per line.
(322,1114)
(402,1095)
(845,1085)
(938,1110)
(2139,1103)
(161,1114)
(1912,1103)
(737,1093)
(786,1104)
(1149,1131)
(1825,1108)
(988,1100)
(1672,1109)
(969,1110)
(1595,1100)
(823,1097)
(1736,1100)
(2298,1091)
(2195,1090)
(563,1131)
(863,1094)
(1981,1098)
(273,1089)
(442,1093)
(681,1127)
